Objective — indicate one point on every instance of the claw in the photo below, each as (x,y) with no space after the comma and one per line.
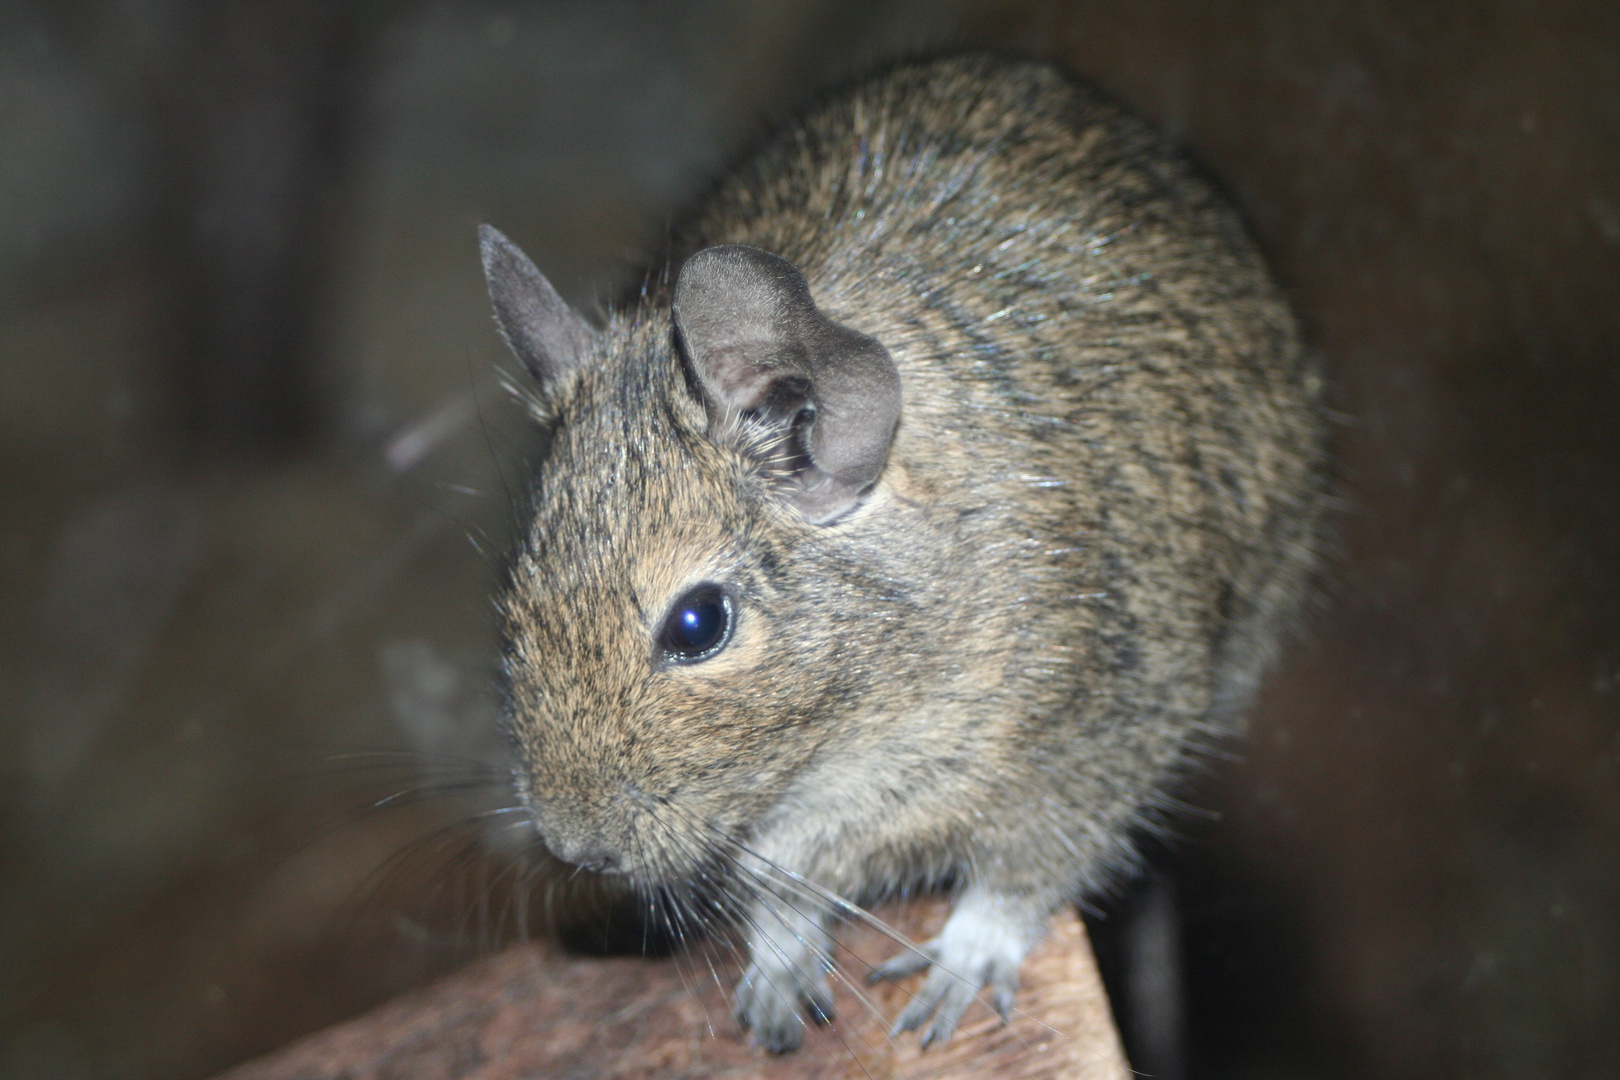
(1001,1000)
(819,1004)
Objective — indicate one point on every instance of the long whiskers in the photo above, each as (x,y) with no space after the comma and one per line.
(776,904)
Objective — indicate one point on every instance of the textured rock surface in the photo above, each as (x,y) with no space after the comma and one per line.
(535,1011)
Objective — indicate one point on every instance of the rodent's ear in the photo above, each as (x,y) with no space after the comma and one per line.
(542,331)
(828,396)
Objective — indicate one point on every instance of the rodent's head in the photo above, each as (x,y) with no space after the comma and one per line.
(677,621)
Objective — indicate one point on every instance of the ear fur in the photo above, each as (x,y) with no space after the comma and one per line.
(762,351)
(542,331)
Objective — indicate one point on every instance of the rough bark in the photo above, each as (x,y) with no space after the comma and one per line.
(536,1011)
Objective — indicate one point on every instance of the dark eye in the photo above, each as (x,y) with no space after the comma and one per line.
(698,625)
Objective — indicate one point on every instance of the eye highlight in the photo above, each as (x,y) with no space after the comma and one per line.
(698,625)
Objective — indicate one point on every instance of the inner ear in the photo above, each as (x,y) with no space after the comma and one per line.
(760,349)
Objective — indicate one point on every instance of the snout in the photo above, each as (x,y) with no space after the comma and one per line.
(604,832)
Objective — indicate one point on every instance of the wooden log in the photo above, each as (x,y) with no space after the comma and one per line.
(536,1011)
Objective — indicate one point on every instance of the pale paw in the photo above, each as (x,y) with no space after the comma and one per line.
(979,950)
(946,995)
(774,1003)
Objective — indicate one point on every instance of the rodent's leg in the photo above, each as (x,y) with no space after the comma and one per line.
(982,946)
(788,947)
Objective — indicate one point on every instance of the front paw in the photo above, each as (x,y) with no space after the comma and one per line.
(773,1002)
(980,948)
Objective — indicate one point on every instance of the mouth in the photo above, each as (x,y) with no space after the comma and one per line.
(582,850)
(606,865)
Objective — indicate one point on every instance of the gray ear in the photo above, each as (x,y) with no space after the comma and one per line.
(761,349)
(539,327)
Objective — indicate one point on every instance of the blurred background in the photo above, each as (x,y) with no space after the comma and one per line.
(257,466)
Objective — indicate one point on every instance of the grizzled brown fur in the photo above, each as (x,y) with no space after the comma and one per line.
(1096,515)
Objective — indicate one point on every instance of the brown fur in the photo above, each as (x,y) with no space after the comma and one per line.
(1097,514)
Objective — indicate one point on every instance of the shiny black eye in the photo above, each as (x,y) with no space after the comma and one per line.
(698,625)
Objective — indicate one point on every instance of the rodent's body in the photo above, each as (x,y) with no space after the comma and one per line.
(1095,516)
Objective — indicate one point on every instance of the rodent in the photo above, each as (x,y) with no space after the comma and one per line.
(957,476)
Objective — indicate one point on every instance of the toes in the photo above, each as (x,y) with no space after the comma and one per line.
(906,962)
(944,997)
(781,1038)
(773,1010)
(773,1026)
(953,1000)
(911,1017)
